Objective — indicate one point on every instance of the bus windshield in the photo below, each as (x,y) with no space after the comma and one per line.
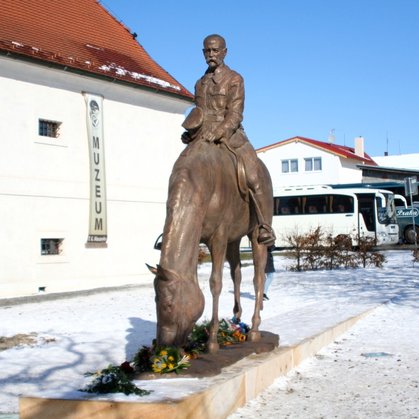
(386,209)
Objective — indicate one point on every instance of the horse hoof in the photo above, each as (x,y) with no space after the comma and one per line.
(213,347)
(254,336)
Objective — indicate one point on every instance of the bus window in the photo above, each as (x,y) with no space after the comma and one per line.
(400,201)
(312,209)
(381,209)
(285,210)
(342,204)
(315,205)
(294,206)
(276,205)
(285,206)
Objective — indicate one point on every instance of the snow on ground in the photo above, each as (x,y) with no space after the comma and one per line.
(371,371)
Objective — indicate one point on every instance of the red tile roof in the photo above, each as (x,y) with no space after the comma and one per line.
(82,36)
(339,150)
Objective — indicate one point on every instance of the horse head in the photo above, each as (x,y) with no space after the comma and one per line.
(179,304)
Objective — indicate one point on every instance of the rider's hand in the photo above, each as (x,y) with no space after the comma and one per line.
(215,136)
(186,138)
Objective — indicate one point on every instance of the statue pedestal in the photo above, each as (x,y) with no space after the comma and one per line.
(223,393)
(211,365)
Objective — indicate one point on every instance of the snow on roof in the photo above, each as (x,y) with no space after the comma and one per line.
(339,150)
(402,161)
(80,35)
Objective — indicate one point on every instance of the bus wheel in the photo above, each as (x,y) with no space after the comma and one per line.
(409,234)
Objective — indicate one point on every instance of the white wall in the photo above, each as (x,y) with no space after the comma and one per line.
(334,169)
(44,183)
(349,172)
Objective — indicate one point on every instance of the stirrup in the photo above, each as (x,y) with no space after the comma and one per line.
(266,235)
(267,240)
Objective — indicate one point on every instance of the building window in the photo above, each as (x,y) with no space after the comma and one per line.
(289,165)
(51,246)
(49,128)
(313,164)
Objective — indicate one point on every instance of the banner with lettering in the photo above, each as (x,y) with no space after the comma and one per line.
(97,219)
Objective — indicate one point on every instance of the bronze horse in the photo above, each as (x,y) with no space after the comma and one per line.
(206,206)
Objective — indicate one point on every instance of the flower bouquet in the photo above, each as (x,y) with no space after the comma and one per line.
(114,379)
(169,359)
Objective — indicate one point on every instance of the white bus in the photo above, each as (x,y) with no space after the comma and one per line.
(352,212)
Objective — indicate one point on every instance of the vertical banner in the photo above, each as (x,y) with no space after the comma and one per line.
(97,220)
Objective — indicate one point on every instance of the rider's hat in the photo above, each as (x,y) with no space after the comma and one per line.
(194,119)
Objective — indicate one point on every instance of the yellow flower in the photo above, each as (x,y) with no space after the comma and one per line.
(170,358)
(163,353)
(171,366)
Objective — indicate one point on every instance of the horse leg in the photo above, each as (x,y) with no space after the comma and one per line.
(218,253)
(259,262)
(233,258)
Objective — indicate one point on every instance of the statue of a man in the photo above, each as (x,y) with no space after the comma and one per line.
(217,117)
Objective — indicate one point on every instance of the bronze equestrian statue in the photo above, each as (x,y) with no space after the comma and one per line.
(208,202)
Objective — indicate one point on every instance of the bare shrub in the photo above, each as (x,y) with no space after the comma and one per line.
(307,250)
(366,254)
(313,250)
(338,252)
(296,241)
(317,250)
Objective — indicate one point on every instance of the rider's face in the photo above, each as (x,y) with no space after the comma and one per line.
(214,52)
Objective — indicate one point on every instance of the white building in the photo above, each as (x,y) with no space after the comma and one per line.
(90,129)
(303,161)
(400,161)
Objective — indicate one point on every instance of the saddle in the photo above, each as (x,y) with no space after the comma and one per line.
(266,234)
(244,189)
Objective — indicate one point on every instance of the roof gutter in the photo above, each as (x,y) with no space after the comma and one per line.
(388,169)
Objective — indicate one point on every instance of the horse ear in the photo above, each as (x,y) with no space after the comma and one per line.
(163,274)
(152,269)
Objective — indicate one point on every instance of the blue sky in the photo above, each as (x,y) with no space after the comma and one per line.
(310,66)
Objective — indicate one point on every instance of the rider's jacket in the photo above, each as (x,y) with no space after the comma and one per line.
(219,100)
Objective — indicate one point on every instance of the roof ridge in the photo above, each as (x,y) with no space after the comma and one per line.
(338,149)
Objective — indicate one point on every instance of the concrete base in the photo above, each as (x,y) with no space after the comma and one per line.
(233,388)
